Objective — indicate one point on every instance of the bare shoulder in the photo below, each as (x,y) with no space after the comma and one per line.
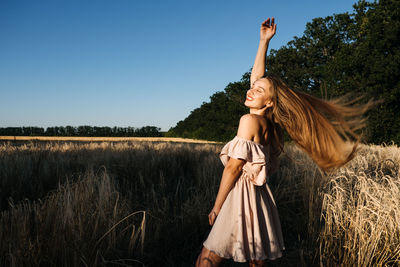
(249,119)
(249,126)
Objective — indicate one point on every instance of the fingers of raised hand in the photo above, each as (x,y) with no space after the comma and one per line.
(269,22)
(264,23)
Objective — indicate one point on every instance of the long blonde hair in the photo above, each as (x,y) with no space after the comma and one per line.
(315,125)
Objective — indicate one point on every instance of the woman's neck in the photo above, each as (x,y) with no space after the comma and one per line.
(260,112)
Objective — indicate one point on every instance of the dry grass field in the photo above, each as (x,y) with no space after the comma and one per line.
(97,139)
(145,203)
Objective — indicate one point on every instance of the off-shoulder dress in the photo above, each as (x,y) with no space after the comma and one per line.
(247,226)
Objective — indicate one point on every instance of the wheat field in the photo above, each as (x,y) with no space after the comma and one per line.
(96,139)
(145,203)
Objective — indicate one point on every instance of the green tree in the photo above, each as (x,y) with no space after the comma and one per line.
(357,52)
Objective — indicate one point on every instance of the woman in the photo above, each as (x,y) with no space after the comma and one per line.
(245,219)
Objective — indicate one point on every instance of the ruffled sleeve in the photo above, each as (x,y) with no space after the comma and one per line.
(241,148)
(254,154)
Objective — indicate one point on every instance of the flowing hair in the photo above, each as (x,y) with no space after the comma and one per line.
(319,127)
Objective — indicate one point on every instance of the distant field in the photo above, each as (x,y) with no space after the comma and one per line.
(79,138)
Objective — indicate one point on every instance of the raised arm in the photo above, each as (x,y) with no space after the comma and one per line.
(267,31)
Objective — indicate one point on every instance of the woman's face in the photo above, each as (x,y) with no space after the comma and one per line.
(259,95)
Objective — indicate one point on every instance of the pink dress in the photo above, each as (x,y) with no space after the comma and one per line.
(247,226)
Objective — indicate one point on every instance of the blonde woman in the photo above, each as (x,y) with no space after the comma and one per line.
(245,220)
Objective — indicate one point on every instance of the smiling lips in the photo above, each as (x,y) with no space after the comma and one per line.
(249,98)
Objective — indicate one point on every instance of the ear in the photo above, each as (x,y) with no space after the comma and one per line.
(268,104)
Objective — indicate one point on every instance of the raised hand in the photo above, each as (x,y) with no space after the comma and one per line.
(268,29)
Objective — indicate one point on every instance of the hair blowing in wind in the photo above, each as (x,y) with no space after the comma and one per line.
(319,127)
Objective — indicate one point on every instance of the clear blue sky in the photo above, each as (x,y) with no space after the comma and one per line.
(132,62)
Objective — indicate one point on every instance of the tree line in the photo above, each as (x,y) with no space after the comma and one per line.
(348,52)
(84,130)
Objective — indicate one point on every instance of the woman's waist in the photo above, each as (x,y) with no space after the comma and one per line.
(257,179)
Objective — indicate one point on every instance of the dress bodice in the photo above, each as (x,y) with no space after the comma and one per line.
(256,157)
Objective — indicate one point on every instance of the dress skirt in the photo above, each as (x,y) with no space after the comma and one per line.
(247,226)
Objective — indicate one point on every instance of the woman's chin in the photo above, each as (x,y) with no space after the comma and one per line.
(250,105)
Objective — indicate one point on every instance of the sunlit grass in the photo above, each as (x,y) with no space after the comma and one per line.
(85,139)
(146,204)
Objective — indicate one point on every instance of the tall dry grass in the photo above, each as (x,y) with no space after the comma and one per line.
(172,182)
(79,224)
(347,218)
(361,211)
